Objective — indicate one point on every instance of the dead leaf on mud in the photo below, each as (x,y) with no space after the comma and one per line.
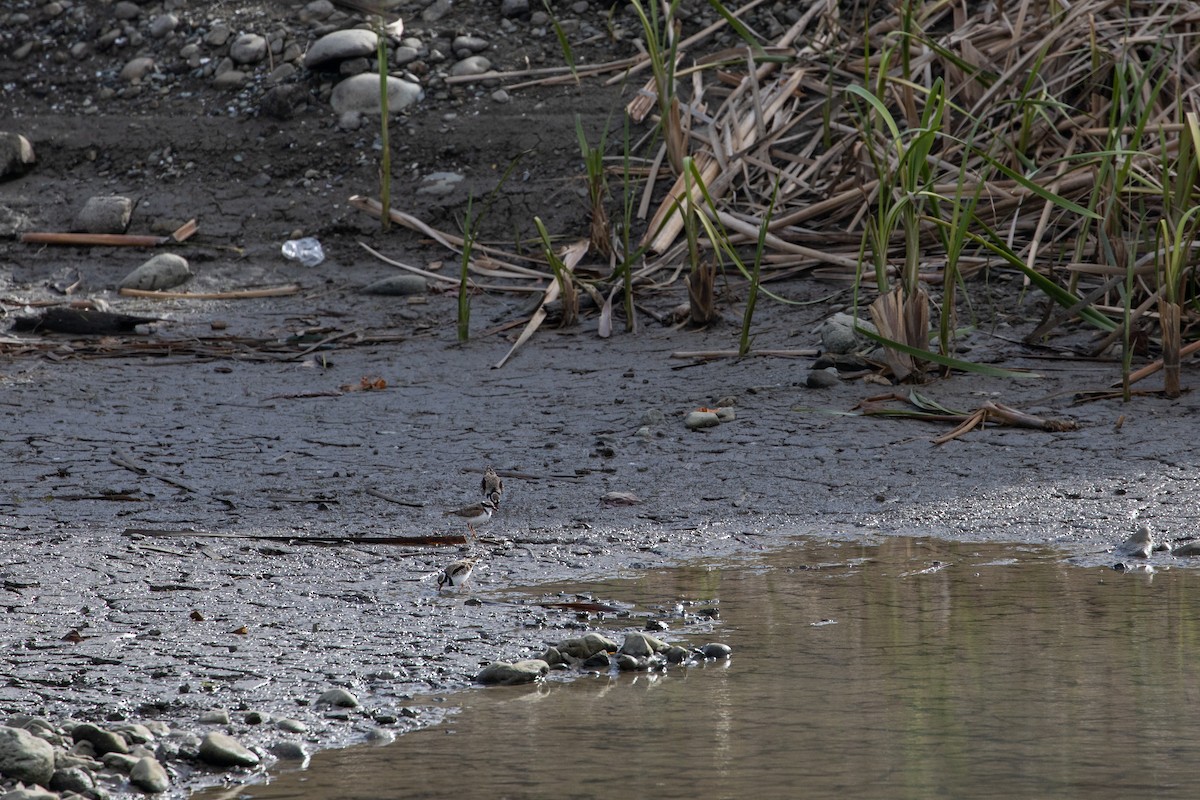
(242,631)
(196,616)
(925,408)
(74,636)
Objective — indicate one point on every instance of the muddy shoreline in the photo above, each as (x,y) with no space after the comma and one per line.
(242,418)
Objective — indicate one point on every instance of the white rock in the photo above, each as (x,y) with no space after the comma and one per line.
(701,419)
(164,271)
(338,46)
(361,93)
(25,757)
(249,48)
(106,214)
(472,65)
(137,68)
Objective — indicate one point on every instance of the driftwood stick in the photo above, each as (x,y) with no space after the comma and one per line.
(241,294)
(409,541)
(184,231)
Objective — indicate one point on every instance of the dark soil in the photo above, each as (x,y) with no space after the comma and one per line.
(238,415)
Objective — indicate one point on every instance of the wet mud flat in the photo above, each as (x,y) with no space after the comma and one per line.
(109,625)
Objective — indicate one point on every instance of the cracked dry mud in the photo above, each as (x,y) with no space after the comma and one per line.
(243,430)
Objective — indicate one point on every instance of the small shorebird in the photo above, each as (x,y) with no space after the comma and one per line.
(491,486)
(1139,545)
(456,573)
(474,514)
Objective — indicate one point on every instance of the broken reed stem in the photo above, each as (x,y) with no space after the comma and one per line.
(385,159)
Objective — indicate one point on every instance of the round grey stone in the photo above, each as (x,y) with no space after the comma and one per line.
(289,751)
(822,378)
(122,761)
(716,650)
(466,45)
(109,214)
(504,673)
(333,48)
(405,55)
(149,776)
(291,726)
(587,645)
(25,757)
(338,697)
(249,48)
(126,10)
(514,8)
(471,65)
(361,93)
(163,271)
(214,716)
(137,68)
(103,741)
(230,79)
(500,96)
(641,645)
(701,419)
(677,654)
(222,750)
(72,779)
(30,793)
(162,25)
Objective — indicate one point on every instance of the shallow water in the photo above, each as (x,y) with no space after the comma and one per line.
(913,668)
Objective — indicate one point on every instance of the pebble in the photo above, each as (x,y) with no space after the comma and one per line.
(122,761)
(222,750)
(137,68)
(104,741)
(514,8)
(333,48)
(338,697)
(399,285)
(149,776)
(1187,549)
(16,155)
(214,716)
(163,271)
(716,650)
(163,24)
(504,673)
(587,645)
(25,757)
(289,751)
(230,79)
(726,414)
(405,55)
(628,663)
(108,214)
(30,793)
(361,93)
(436,10)
(291,725)
(126,10)
(500,96)
(838,334)
(696,420)
(249,48)
(472,65)
(676,654)
(641,645)
(464,46)
(72,779)
(822,378)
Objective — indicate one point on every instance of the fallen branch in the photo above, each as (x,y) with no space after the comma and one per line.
(711,354)
(403,541)
(184,231)
(241,294)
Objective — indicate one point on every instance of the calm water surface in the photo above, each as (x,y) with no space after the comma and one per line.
(858,672)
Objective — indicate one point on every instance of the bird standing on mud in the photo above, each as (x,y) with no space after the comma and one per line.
(492,486)
(474,514)
(457,573)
